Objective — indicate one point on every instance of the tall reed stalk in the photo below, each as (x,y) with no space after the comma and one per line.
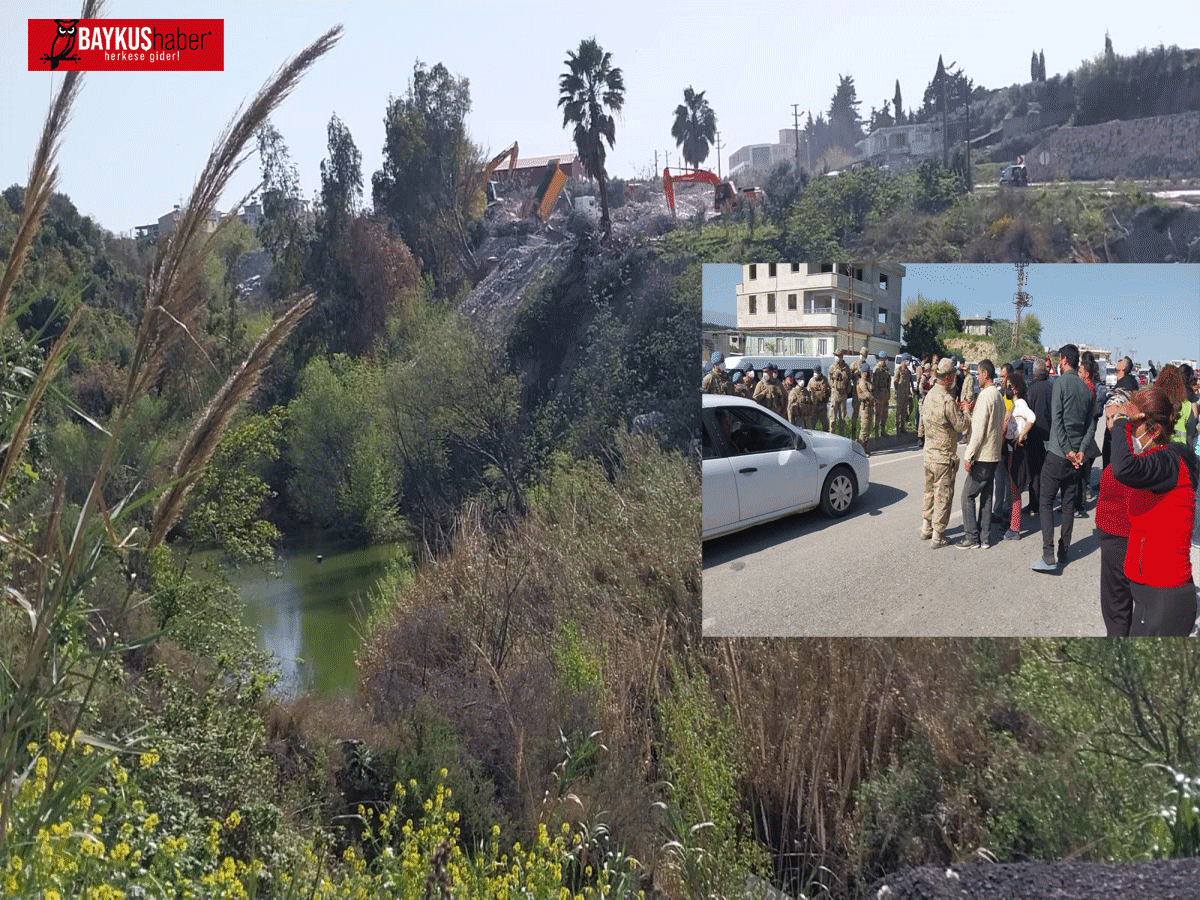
(47,565)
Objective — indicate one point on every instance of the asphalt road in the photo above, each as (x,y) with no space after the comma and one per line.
(871,574)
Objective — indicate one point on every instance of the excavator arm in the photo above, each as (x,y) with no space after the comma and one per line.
(725,195)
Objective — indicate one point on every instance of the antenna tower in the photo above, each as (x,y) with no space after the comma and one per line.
(1021,299)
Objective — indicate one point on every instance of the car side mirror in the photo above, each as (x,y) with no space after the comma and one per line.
(799,442)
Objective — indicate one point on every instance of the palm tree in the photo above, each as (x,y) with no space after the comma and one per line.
(695,127)
(589,92)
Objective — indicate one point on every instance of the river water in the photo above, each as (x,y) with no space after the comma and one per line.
(309,613)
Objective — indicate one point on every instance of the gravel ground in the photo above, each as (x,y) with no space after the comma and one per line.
(1176,879)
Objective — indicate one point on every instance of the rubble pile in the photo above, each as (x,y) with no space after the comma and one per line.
(518,252)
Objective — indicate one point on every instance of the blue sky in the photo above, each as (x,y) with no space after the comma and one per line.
(1147,311)
(138,140)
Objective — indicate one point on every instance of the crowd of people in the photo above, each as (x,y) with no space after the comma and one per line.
(1037,438)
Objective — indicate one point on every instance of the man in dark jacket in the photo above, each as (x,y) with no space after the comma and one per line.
(1039,393)
(1127,383)
(1071,424)
(1125,379)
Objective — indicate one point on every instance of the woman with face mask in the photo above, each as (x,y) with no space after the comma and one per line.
(1160,480)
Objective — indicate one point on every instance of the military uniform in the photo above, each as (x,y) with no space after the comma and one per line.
(966,394)
(745,388)
(716,382)
(799,408)
(941,422)
(866,403)
(770,394)
(881,388)
(902,382)
(818,390)
(840,384)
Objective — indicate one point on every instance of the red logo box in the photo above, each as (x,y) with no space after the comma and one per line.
(127,45)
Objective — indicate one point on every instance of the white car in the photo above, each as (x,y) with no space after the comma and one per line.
(758,467)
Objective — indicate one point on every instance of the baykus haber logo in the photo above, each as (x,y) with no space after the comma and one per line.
(132,45)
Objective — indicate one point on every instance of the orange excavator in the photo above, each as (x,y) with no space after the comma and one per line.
(726,193)
(727,197)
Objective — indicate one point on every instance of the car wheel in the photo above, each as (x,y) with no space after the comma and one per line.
(839,493)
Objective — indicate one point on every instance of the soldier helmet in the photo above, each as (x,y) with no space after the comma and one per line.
(945,367)
(883,354)
(817,369)
(736,376)
(748,368)
(839,353)
(771,367)
(718,358)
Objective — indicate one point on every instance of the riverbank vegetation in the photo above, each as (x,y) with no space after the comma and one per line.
(537,713)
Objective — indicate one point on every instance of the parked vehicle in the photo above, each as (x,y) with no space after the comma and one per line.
(1014,176)
(1110,375)
(758,467)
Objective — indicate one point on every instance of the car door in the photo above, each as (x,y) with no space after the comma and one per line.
(770,473)
(720,498)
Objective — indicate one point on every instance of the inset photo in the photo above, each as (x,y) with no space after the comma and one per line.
(866,423)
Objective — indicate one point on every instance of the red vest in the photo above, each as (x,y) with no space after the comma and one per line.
(1160,532)
(1112,506)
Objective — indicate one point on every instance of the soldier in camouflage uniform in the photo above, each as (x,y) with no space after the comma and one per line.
(745,387)
(941,422)
(799,409)
(855,403)
(881,387)
(966,394)
(903,385)
(716,381)
(818,389)
(866,403)
(840,384)
(769,392)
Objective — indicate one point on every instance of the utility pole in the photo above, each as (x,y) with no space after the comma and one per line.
(719,147)
(796,133)
(1021,299)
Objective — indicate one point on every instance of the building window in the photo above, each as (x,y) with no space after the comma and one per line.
(770,304)
(802,346)
(883,317)
(753,271)
(753,304)
(770,270)
(795,267)
(792,302)
(826,267)
(818,305)
(882,282)
(823,347)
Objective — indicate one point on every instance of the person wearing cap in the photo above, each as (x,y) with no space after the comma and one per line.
(769,392)
(881,388)
(941,422)
(840,383)
(866,403)
(716,381)
(745,387)
(818,390)
(799,407)
(903,387)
